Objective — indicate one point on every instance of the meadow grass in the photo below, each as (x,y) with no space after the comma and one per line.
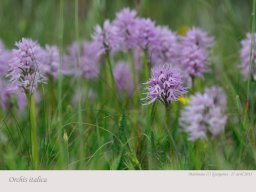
(116,132)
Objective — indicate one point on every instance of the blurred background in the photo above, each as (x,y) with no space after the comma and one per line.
(39,19)
(227,20)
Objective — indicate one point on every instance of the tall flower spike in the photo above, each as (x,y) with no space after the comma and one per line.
(126,24)
(195,50)
(194,60)
(25,66)
(107,38)
(164,49)
(165,85)
(146,35)
(245,56)
(204,114)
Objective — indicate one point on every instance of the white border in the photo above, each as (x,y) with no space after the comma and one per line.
(128,181)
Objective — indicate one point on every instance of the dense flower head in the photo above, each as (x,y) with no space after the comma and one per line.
(165,85)
(147,33)
(123,78)
(204,114)
(165,47)
(245,56)
(51,60)
(126,25)
(106,38)
(26,65)
(199,38)
(195,50)
(194,60)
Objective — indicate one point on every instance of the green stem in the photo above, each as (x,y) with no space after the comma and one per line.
(79,82)
(196,84)
(170,132)
(150,133)
(112,79)
(134,75)
(146,66)
(62,159)
(33,130)
(195,155)
(167,116)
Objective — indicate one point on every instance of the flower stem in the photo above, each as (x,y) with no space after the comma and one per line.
(150,133)
(79,85)
(112,79)
(170,131)
(33,130)
(134,75)
(146,65)
(167,116)
(62,159)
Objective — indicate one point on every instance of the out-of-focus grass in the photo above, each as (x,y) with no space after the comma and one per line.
(112,139)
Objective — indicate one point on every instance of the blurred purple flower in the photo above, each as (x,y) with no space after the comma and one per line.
(8,94)
(50,57)
(204,115)
(90,61)
(70,60)
(5,56)
(195,47)
(147,33)
(107,39)
(85,64)
(26,66)
(245,56)
(123,78)
(126,25)
(164,49)
(193,60)
(199,38)
(165,85)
